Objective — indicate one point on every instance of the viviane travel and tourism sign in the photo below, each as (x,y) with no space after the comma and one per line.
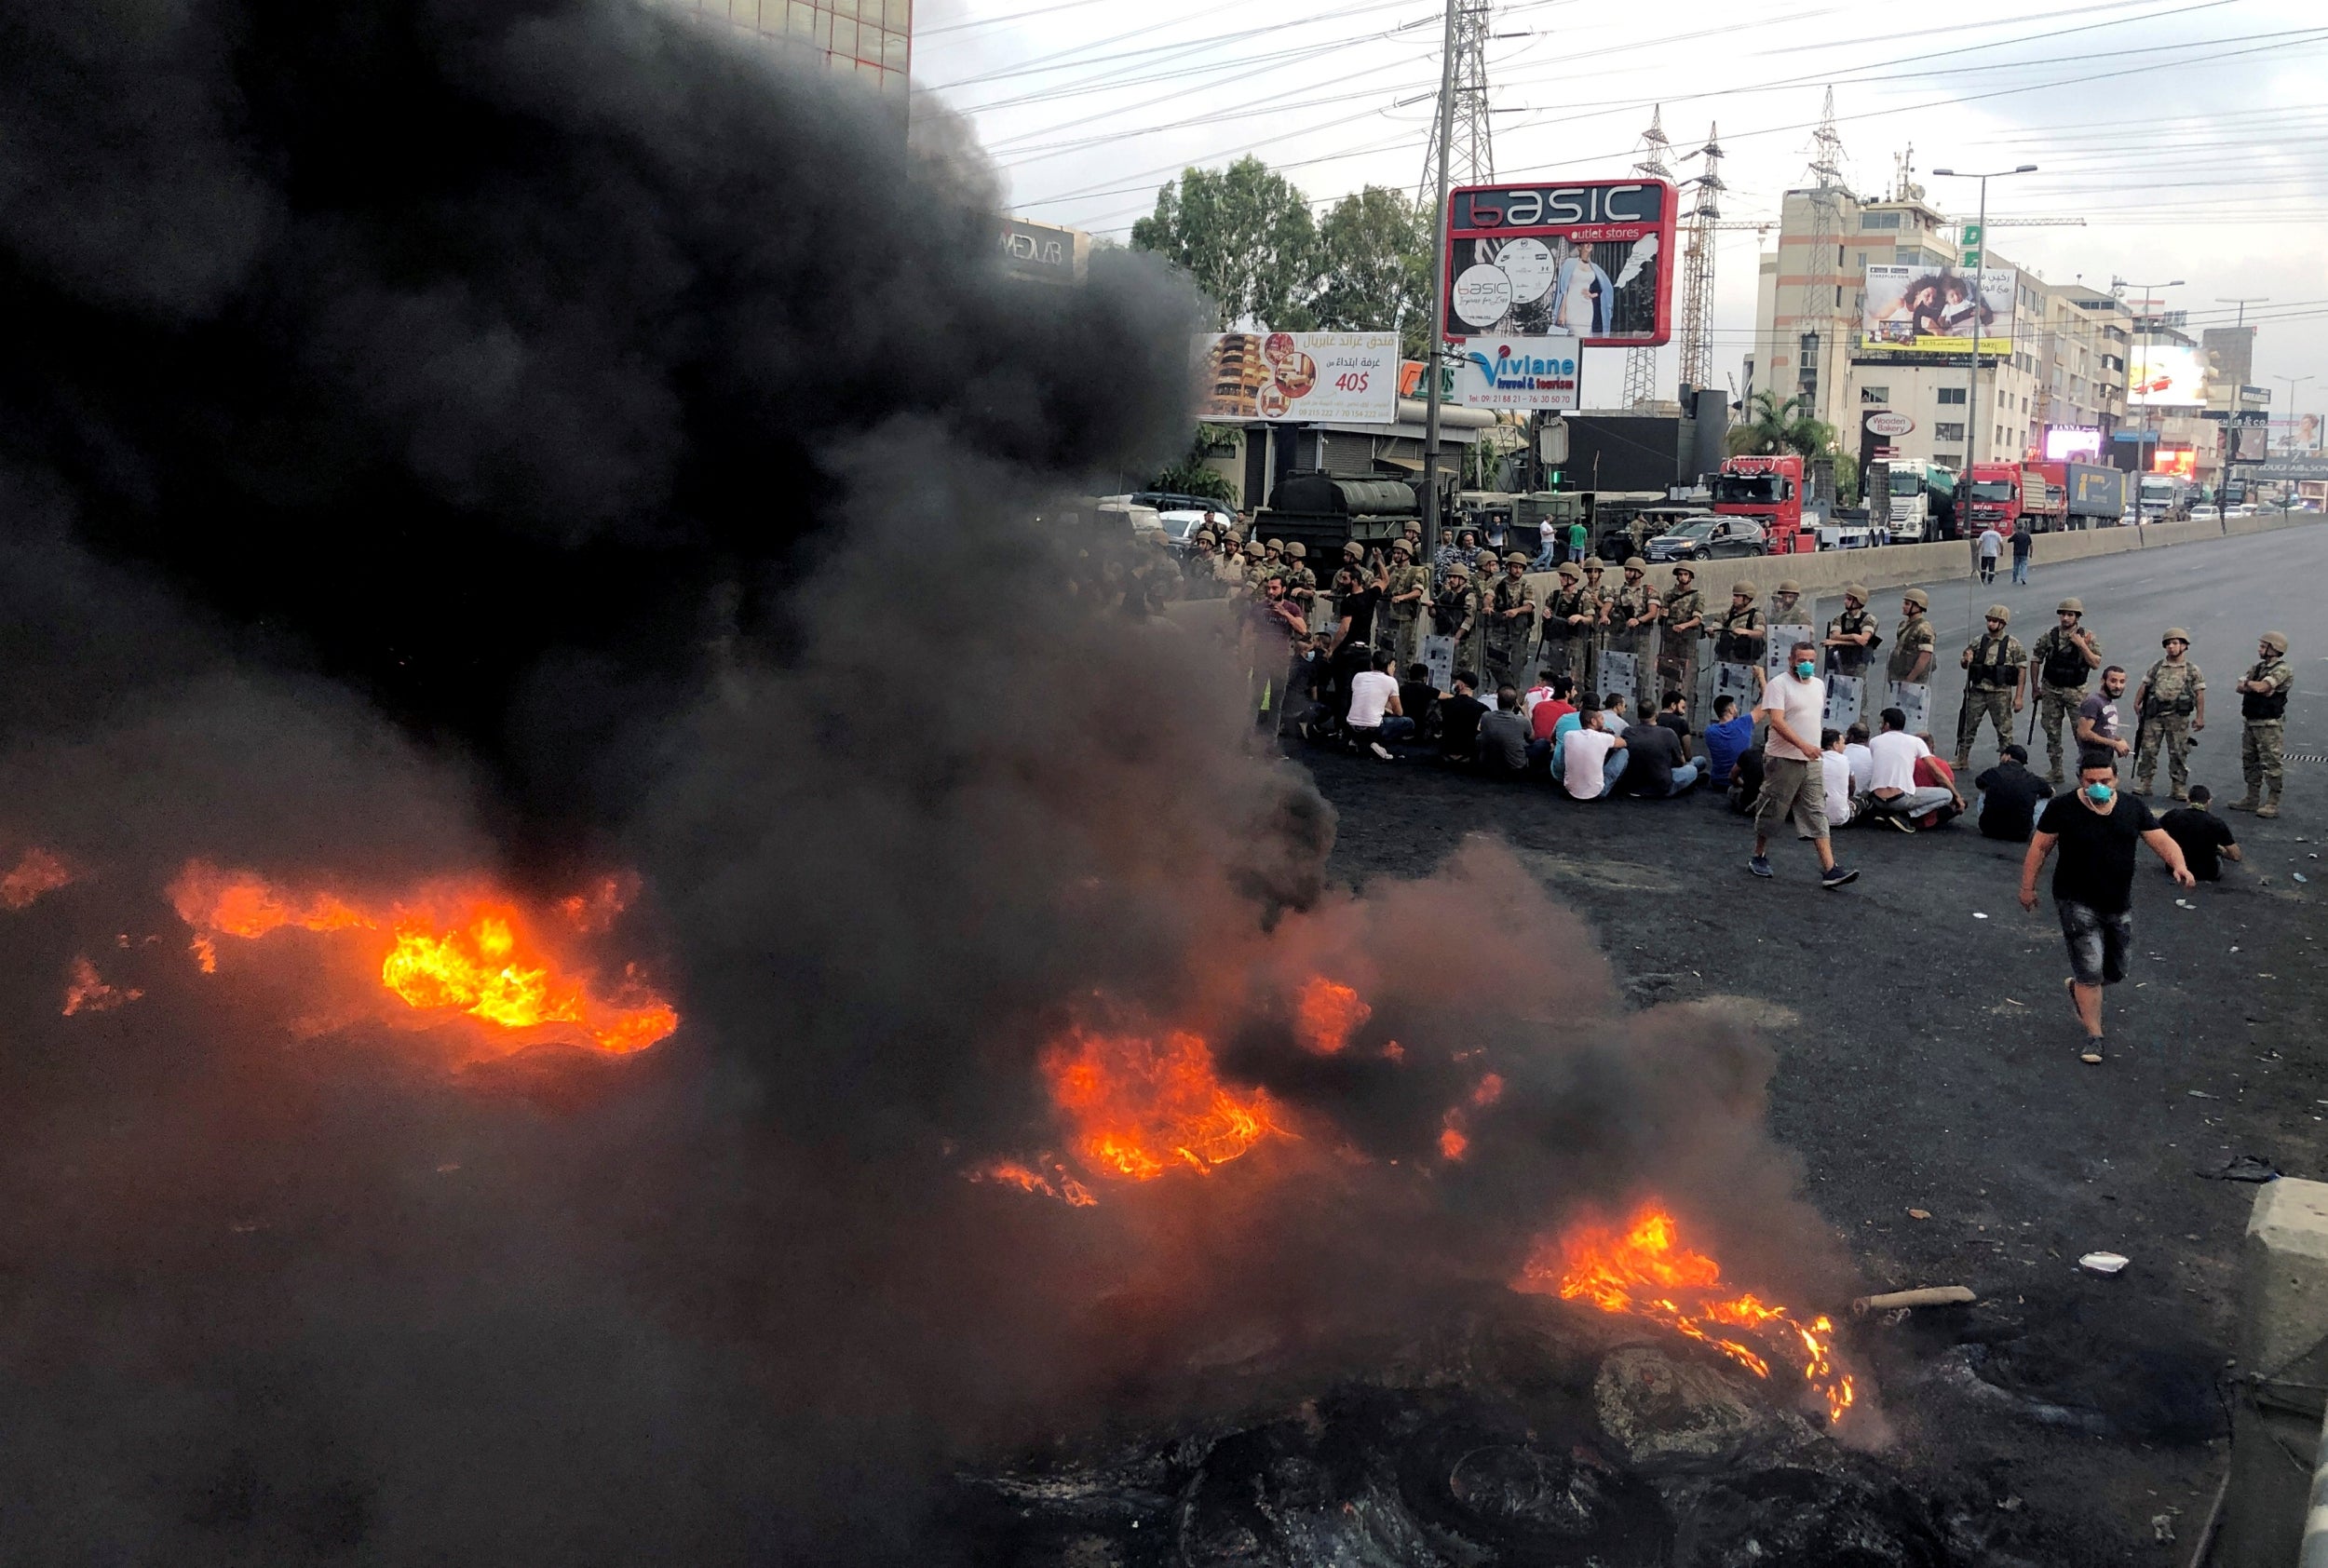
(1515,373)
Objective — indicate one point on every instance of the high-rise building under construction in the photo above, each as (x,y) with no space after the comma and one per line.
(872,40)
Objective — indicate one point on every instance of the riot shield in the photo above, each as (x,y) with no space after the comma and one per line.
(1738,680)
(1783,638)
(1620,673)
(1845,694)
(1439,656)
(1914,699)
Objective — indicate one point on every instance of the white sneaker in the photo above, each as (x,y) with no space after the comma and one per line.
(1379,750)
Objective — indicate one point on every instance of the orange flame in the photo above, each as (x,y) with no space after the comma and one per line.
(36,871)
(468,951)
(1059,1184)
(1327,1014)
(1143,1105)
(84,992)
(1645,1272)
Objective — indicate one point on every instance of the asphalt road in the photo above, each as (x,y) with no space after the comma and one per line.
(1928,1063)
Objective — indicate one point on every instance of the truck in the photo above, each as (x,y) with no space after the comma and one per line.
(1769,490)
(2065,495)
(1325,511)
(1923,500)
(2160,497)
(1996,495)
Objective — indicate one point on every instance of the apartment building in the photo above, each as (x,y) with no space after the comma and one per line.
(872,40)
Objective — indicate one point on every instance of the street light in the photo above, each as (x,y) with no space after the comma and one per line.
(2142,437)
(1980,258)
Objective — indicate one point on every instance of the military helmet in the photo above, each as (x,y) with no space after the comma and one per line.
(1635,563)
(2070,607)
(1278,544)
(1746,588)
(2276,640)
(1400,546)
(1485,558)
(1456,569)
(1855,590)
(2174,635)
(1252,546)
(1918,598)
(1594,563)
(1514,558)
(1569,569)
(1788,585)
(1351,547)
(1999,613)
(1681,566)
(1297,551)
(1204,536)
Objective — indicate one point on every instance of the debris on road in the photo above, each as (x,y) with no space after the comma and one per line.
(2242,1167)
(1926,1295)
(2101,1262)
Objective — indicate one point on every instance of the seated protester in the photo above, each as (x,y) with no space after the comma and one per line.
(1673,714)
(1834,779)
(1567,725)
(1892,794)
(2206,838)
(1932,773)
(1727,738)
(1459,716)
(1558,702)
(2010,798)
(1863,764)
(1540,692)
(1349,659)
(1592,759)
(1746,779)
(1418,699)
(1375,720)
(1504,737)
(1658,768)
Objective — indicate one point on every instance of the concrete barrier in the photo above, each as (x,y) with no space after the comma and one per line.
(2283,1364)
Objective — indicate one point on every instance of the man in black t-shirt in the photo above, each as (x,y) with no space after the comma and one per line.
(2206,838)
(2011,797)
(2096,827)
(1459,718)
(1656,767)
(1418,699)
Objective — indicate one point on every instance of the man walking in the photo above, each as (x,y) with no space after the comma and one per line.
(1578,538)
(1991,546)
(2096,829)
(2065,658)
(1995,675)
(2023,540)
(1793,783)
(2263,709)
(2173,702)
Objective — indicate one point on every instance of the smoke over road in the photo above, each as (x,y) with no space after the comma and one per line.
(534,440)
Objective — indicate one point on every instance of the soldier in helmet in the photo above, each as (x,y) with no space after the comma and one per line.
(1912,649)
(1602,598)
(1403,607)
(1996,674)
(1852,636)
(2173,703)
(1300,583)
(2065,659)
(1568,618)
(1783,600)
(1487,568)
(1511,620)
(1273,556)
(1682,614)
(1456,607)
(1739,634)
(1256,559)
(2263,709)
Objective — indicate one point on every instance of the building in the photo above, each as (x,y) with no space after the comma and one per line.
(872,40)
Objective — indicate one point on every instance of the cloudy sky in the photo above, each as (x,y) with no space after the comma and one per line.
(2188,134)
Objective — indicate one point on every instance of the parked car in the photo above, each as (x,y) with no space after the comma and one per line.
(2206,514)
(1706,537)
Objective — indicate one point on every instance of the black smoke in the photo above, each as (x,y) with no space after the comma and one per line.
(545,437)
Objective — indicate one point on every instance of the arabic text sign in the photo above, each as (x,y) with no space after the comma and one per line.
(1348,376)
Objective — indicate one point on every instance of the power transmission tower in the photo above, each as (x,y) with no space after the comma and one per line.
(1822,276)
(1641,364)
(1697,350)
(1471,151)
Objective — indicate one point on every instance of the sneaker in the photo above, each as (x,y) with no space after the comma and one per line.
(1899,821)
(1379,750)
(1759,865)
(2091,1056)
(1838,876)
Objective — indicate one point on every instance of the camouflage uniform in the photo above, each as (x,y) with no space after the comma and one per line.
(2264,727)
(1566,645)
(1485,570)
(1916,636)
(1456,609)
(1636,600)
(2169,697)
(1731,643)
(1400,621)
(1677,649)
(1851,660)
(2057,700)
(1508,636)
(1300,583)
(1601,598)
(1989,683)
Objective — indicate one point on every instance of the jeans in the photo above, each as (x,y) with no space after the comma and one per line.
(1915,803)
(1684,776)
(1611,771)
(2021,569)
(1545,559)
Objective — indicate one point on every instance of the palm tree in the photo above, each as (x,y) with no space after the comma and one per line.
(1773,425)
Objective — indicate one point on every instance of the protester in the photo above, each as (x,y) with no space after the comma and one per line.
(1503,743)
(1556,703)
(2205,838)
(1862,759)
(1674,713)
(1746,779)
(1793,783)
(1932,773)
(1893,797)
(1591,759)
(1459,716)
(2095,828)
(1992,545)
(1377,718)
(2011,797)
(1727,738)
(1834,773)
(1657,765)
(2097,722)
(2024,541)
(1418,699)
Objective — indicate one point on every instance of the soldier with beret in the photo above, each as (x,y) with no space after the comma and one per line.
(2173,703)
(1996,673)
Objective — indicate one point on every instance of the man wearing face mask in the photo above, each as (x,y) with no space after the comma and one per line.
(1793,783)
(2096,827)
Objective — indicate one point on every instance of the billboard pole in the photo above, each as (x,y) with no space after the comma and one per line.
(1980,265)
(1432,350)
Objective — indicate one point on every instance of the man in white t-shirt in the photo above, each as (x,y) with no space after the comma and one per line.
(1794,781)
(1591,759)
(1894,796)
(1376,717)
(1861,762)
(1834,772)
(1991,546)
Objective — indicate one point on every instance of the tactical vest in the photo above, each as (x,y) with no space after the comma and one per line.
(2064,664)
(1994,672)
(2183,703)
(1728,646)
(2261,705)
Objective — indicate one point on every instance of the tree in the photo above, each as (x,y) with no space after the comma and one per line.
(1374,271)
(1773,425)
(1246,234)
(1192,476)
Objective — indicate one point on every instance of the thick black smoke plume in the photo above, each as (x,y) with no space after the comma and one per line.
(533,437)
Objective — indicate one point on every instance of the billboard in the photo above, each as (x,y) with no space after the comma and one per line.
(1593,260)
(1351,377)
(2166,376)
(2072,443)
(2180,461)
(1045,252)
(2227,363)
(1933,313)
(1518,373)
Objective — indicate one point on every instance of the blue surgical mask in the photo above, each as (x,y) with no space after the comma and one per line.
(2099,793)
(1804,670)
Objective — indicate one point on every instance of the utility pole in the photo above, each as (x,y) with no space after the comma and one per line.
(2287,487)
(1826,223)
(1696,345)
(2242,300)
(1434,351)
(1980,258)
(1641,364)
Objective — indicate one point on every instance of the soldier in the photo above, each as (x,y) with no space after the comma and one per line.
(2065,658)
(2263,707)
(1995,665)
(2173,702)
(1782,602)
(1486,571)
(1456,609)
(1739,634)
(1852,636)
(1256,559)
(1568,618)
(1682,614)
(1351,576)
(1229,564)
(1511,620)
(1602,598)
(1300,583)
(1402,611)
(1633,611)
(1273,556)
(1911,654)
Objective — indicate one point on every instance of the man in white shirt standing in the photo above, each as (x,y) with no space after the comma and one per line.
(1794,782)
(1892,794)
(1991,546)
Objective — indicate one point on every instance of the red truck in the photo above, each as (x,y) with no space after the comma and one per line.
(1769,490)
(1998,494)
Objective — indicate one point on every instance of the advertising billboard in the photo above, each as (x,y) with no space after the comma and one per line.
(2166,376)
(2072,443)
(2227,363)
(2180,461)
(1911,314)
(1593,260)
(1351,377)
(1518,373)
(1045,252)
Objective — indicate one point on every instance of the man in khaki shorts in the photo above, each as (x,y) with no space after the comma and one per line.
(1792,782)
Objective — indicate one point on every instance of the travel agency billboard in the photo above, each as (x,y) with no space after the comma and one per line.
(1592,259)
(1517,372)
(1911,314)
